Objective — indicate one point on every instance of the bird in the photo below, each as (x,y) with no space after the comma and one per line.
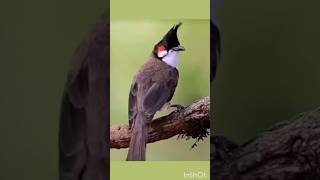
(152,89)
(215,49)
(84,117)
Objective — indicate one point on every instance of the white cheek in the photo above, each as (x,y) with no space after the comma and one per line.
(162,53)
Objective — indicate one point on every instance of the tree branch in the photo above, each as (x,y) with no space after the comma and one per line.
(290,150)
(176,123)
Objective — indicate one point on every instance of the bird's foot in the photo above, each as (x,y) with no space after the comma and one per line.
(178,106)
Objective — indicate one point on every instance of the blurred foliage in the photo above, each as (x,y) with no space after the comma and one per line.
(131,45)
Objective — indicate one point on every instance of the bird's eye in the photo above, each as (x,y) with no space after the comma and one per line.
(162,51)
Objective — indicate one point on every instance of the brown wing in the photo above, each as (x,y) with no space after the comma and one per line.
(161,91)
(174,77)
(132,103)
(154,89)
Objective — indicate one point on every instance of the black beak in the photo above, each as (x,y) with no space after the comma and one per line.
(179,48)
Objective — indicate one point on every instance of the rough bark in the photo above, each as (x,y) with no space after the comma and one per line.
(289,150)
(188,121)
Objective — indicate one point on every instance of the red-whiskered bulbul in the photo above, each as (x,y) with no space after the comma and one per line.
(152,89)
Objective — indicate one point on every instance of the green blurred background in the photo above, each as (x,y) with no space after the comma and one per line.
(269,72)
(37,41)
(270,68)
(131,45)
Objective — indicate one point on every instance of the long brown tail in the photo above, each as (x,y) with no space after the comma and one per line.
(138,142)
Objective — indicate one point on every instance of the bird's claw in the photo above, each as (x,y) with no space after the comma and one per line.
(178,106)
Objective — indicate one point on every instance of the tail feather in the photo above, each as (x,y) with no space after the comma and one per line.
(138,142)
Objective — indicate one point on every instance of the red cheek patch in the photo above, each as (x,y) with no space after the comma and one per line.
(162,51)
(161,48)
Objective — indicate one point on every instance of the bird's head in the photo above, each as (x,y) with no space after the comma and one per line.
(168,48)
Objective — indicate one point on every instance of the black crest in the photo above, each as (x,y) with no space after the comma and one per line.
(170,40)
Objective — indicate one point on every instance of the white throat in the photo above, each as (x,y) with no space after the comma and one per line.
(172,58)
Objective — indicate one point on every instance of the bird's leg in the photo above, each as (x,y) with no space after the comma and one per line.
(178,106)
